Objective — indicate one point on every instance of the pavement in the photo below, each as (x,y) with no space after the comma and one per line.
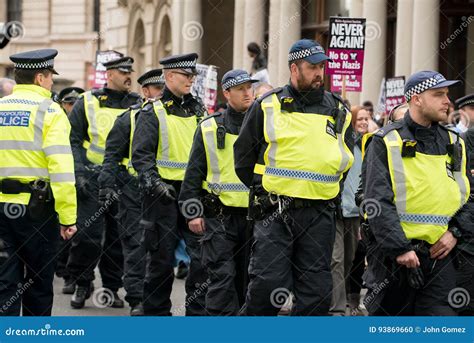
(94,307)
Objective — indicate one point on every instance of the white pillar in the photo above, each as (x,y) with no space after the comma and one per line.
(403,44)
(176,26)
(191,29)
(424,52)
(469,84)
(238,55)
(287,33)
(355,11)
(254,15)
(375,11)
(273,42)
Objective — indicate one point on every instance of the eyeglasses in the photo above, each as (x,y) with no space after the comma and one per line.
(188,76)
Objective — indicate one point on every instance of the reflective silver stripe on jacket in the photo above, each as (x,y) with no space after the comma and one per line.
(94,143)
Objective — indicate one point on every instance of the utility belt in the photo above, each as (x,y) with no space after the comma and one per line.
(214,208)
(40,190)
(262,203)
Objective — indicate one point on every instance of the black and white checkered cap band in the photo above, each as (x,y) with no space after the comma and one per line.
(36,65)
(180,64)
(153,79)
(421,87)
(126,64)
(465,103)
(236,81)
(297,55)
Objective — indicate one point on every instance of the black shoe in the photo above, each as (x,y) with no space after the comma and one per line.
(69,286)
(79,298)
(182,271)
(117,303)
(137,310)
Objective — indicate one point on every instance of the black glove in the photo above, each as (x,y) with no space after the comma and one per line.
(416,279)
(163,191)
(82,186)
(107,196)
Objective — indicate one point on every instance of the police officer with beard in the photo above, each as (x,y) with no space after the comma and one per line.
(210,180)
(91,120)
(119,180)
(161,146)
(291,151)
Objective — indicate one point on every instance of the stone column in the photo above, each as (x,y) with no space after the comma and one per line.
(191,29)
(375,12)
(425,43)
(254,26)
(238,54)
(403,44)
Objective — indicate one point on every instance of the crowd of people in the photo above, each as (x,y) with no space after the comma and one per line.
(282,200)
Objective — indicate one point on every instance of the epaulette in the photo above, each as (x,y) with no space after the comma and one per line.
(270,92)
(217,115)
(338,98)
(390,127)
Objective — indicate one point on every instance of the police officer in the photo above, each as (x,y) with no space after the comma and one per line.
(68,97)
(161,147)
(291,151)
(117,176)
(223,196)
(465,251)
(37,193)
(416,175)
(91,119)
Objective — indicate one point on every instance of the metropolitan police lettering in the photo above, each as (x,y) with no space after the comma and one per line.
(15,118)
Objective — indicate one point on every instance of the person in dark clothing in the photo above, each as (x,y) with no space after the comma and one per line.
(465,248)
(223,197)
(415,177)
(161,146)
(118,180)
(291,152)
(91,119)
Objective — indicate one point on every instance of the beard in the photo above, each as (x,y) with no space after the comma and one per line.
(305,86)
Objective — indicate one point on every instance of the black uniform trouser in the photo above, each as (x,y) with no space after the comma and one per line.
(27,260)
(159,240)
(292,252)
(196,282)
(432,300)
(223,255)
(63,256)
(465,281)
(97,239)
(131,233)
